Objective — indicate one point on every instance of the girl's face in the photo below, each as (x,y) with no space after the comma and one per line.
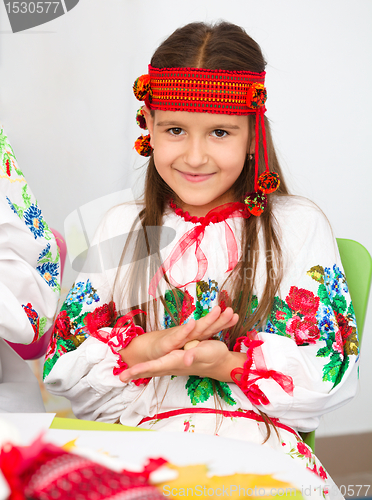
(199,155)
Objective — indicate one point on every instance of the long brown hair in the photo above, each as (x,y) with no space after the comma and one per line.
(220,46)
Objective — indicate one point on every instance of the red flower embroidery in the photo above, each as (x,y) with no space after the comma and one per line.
(344,326)
(51,348)
(322,473)
(280,315)
(34,320)
(61,329)
(187,306)
(338,344)
(7,163)
(62,326)
(187,426)
(224,300)
(302,301)
(101,317)
(303,450)
(303,331)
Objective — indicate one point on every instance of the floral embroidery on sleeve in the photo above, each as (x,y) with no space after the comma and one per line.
(48,268)
(206,293)
(8,162)
(70,329)
(177,299)
(38,324)
(337,322)
(308,319)
(32,216)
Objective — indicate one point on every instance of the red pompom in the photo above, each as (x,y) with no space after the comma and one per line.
(268,182)
(142,88)
(256,203)
(140,119)
(143,146)
(256,96)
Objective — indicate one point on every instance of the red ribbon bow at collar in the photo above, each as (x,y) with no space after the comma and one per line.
(195,236)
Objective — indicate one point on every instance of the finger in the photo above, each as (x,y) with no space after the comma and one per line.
(227,319)
(207,320)
(140,370)
(165,365)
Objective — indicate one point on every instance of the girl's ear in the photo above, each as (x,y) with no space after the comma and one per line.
(251,146)
(149,122)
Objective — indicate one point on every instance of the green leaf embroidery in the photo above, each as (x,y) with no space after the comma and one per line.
(199,389)
(350,310)
(339,304)
(224,392)
(324,352)
(198,313)
(73,309)
(26,197)
(42,325)
(323,295)
(343,368)
(331,369)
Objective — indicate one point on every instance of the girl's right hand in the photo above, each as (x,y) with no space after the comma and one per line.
(154,345)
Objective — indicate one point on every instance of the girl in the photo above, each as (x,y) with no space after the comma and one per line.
(242,324)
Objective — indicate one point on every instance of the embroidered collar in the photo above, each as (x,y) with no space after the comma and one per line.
(195,236)
(217,214)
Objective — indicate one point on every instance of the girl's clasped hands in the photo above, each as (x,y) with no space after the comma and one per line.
(159,353)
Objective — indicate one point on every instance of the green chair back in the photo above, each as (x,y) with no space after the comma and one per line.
(357,264)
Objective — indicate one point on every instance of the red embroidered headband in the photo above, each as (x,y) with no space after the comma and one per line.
(209,91)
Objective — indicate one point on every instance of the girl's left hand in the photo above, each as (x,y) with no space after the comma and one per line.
(210,358)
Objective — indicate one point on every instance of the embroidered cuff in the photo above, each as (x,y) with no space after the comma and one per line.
(123,332)
(246,383)
(249,376)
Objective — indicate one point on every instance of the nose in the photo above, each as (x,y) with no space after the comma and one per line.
(196,152)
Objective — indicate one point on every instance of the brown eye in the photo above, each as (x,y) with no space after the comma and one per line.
(175,131)
(219,133)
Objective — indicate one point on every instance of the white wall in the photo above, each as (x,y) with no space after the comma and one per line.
(67,106)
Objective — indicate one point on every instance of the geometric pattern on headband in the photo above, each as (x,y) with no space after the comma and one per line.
(205,90)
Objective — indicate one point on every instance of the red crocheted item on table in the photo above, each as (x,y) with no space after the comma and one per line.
(44,471)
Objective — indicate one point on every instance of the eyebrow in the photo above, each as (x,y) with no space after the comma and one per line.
(176,125)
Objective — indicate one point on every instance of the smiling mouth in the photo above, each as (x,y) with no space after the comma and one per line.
(195,177)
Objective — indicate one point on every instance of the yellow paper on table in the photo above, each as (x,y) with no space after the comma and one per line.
(194,481)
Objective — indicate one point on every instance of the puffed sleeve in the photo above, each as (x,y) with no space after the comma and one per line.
(82,362)
(304,362)
(29,257)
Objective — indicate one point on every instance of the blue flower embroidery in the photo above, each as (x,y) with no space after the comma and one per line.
(34,220)
(335,281)
(49,271)
(44,252)
(270,328)
(325,317)
(12,206)
(91,298)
